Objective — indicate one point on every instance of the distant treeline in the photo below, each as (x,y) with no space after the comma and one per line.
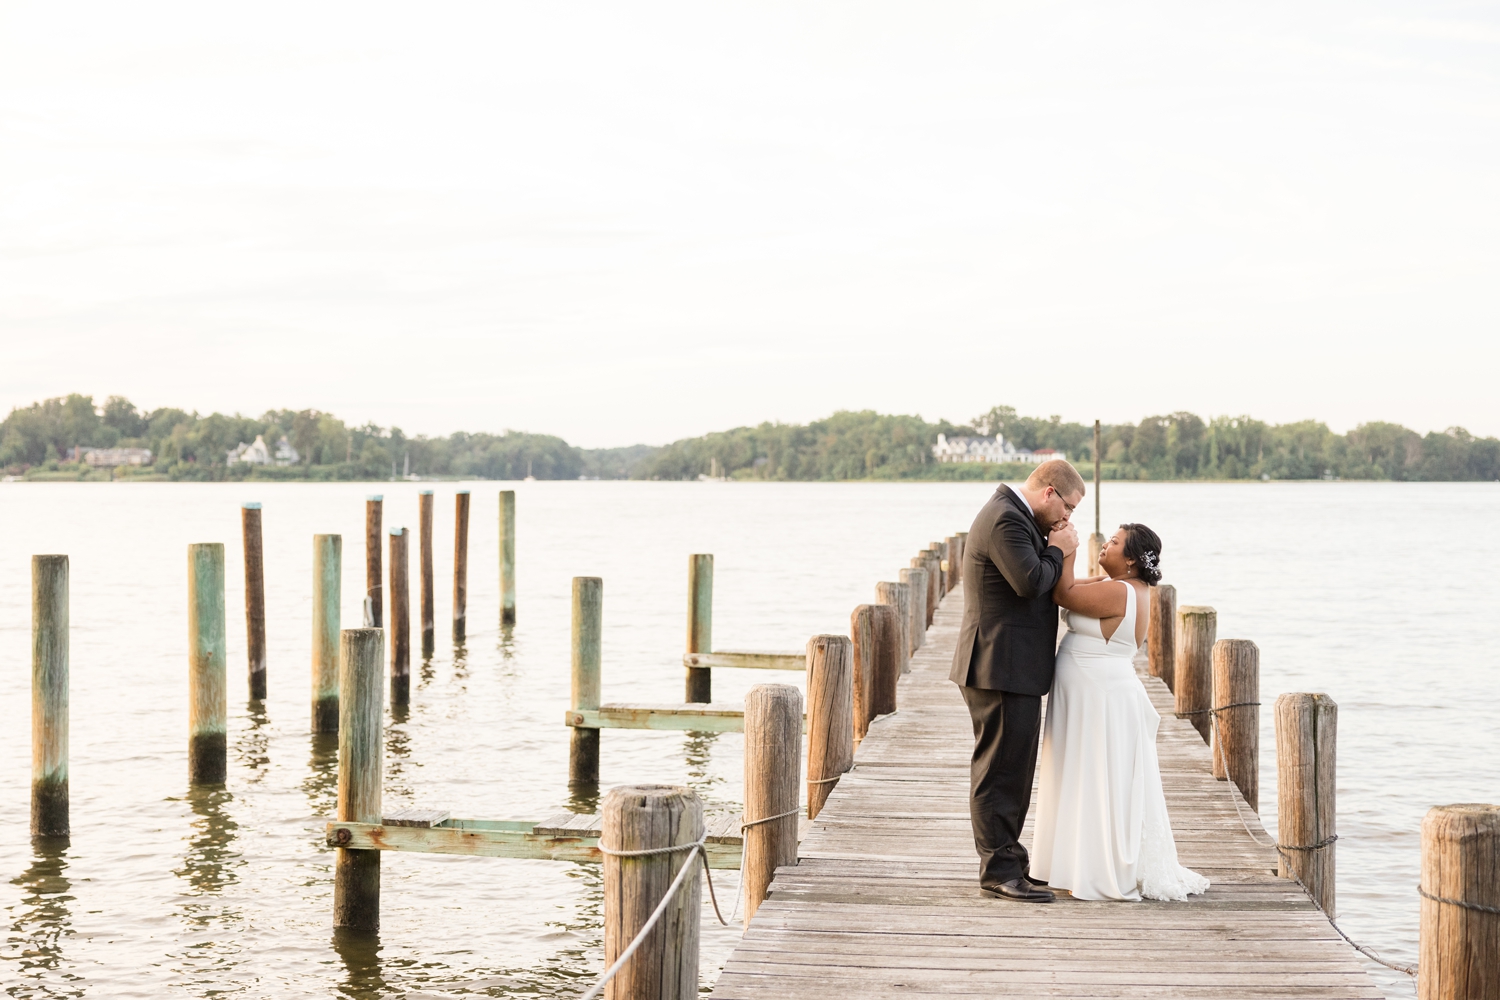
(36,440)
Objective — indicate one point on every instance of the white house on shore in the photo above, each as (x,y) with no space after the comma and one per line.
(260,453)
(108,458)
(989,449)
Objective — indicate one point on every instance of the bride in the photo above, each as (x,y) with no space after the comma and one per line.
(1102,830)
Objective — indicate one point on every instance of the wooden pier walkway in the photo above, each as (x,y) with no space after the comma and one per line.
(884,901)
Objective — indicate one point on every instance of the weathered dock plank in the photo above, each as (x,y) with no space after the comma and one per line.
(883,902)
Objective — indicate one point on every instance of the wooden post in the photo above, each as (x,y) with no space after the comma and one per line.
(1193,669)
(255,599)
(424,545)
(950,553)
(885,627)
(916,610)
(1306,786)
(773,762)
(208,696)
(328,561)
(1460,889)
(1161,632)
(400,618)
(644,818)
(1235,736)
(898,596)
(940,555)
(830,716)
(862,649)
(356,873)
(460,564)
(926,561)
(49,696)
(373,506)
(588,625)
(507,557)
(958,572)
(700,625)
(1096,540)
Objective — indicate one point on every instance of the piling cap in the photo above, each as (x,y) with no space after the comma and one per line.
(464,492)
(251,505)
(374,496)
(398,531)
(425,493)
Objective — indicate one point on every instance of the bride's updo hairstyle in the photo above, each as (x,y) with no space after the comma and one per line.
(1144,547)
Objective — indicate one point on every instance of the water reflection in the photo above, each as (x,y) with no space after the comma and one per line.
(210,862)
(583,797)
(426,674)
(506,644)
(397,764)
(460,660)
(321,786)
(42,920)
(697,754)
(252,747)
(364,978)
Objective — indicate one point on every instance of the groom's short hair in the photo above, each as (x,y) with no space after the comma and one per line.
(1058,474)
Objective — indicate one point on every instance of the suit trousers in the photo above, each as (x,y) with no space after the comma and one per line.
(1006,731)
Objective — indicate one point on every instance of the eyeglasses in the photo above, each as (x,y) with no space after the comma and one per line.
(1070,507)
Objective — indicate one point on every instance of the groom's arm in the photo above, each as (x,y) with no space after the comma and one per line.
(1029,573)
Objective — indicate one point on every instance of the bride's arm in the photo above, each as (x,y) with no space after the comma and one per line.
(1097,597)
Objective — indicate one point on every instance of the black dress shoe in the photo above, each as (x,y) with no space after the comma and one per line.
(1019,890)
(1033,880)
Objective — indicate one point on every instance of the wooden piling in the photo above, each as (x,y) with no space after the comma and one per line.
(830,716)
(925,560)
(1235,736)
(885,628)
(373,508)
(700,625)
(916,588)
(862,649)
(1460,890)
(424,543)
(1306,790)
(356,873)
(255,598)
(400,623)
(1161,632)
(507,557)
(49,696)
(460,565)
(958,571)
(328,561)
(646,818)
(1193,667)
(208,702)
(588,623)
(1096,540)
(898,596)
(940,555)
(950,553)
(773,762)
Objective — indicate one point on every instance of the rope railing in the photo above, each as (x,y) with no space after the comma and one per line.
(1410,970)
(682,875)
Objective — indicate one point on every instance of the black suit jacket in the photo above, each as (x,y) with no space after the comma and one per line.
(1009,636)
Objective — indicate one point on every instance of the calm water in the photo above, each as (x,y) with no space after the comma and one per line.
(1379,594)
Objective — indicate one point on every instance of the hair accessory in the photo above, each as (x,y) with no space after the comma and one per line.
(1148,559)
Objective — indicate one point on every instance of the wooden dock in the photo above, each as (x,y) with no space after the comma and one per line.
(884,901)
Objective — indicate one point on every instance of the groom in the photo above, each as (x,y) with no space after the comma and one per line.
(1005,658)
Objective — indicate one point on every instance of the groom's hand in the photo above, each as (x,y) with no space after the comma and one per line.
(1065,538)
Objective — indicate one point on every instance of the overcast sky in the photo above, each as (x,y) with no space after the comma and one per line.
(625,222)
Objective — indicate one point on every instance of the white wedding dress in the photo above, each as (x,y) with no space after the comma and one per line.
(1102,830)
